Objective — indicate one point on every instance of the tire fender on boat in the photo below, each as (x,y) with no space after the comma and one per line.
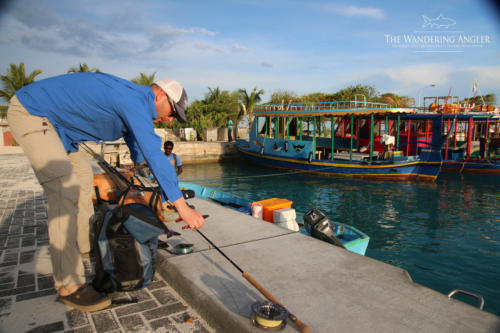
(286,146)
(262,150)
(310,159)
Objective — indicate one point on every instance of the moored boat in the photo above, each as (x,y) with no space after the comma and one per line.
(352,147)
(475,146)
(350,237)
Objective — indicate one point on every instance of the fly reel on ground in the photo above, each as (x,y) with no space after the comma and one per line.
(269,316)
(182,249)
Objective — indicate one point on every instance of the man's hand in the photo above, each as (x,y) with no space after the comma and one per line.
(192,217)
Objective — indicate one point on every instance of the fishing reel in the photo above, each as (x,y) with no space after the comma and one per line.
(269,316)
(181,249)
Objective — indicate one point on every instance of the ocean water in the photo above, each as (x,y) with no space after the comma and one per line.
(446,234)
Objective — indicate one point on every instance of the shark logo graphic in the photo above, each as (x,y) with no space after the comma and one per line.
(276,148)
(298,148)
(441,21)
(257,142)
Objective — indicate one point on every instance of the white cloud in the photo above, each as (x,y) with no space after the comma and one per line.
(267,65)
(208,46)
(357,11)
(118,34)
(204,31)
(239,48)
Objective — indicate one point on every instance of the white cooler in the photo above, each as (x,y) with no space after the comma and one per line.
(285,218)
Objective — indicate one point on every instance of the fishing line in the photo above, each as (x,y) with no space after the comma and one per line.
(217,273)
(260,176)
(302,327)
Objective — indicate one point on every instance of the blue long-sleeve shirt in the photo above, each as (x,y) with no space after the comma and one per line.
(97,106)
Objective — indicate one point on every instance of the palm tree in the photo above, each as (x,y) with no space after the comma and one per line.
(83,69)
(16,79)
(212,95)
(249,101)
(144,79)
(397,101)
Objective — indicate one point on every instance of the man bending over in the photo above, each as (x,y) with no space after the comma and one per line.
(50,117)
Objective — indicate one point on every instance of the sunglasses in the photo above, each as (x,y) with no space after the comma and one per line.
(169,148)
(172,105)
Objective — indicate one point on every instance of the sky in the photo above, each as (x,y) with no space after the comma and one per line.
(306,47)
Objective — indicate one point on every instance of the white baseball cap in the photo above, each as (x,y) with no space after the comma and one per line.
(177,94)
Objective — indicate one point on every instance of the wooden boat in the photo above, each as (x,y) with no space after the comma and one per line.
(475,146)
(351,238)
(277,139)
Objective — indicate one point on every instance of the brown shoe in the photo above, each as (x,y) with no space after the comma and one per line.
(86,299)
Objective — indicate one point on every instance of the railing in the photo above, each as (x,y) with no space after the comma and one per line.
(451,109)
(324,106)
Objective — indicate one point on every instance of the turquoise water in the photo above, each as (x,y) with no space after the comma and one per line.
(446,234)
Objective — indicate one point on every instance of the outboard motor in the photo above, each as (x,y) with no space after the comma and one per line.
(319,226)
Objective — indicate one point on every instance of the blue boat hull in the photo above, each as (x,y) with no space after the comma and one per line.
(483,166)
(418,170)
(353,239)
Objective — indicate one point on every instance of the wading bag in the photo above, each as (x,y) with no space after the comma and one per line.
(105,189)
(126,247)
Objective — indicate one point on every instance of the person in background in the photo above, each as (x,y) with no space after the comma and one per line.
(229,129)
(173,158)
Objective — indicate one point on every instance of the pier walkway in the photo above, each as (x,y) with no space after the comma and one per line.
(28,300)
(328,288)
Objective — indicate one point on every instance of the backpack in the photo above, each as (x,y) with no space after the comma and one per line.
(126,247)
(106,190)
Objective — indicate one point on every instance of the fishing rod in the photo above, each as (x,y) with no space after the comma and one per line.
(113,172)
(302,327)
(121,181)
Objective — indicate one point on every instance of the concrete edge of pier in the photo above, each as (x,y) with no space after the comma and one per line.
(323,285)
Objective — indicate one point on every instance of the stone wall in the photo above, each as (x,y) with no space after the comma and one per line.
(205,152)
(190,152)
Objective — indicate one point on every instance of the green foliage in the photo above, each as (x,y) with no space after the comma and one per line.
(349,93)
(144,79)
(280,96)
(397,101)
(213,110)
(173,125)
(212,95)
(249,101)
(83,69)
(490,99)
(16,79)
(314,98)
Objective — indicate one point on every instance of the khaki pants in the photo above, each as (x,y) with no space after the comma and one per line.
(68,183)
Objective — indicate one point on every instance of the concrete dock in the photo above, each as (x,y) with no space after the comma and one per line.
(328,288)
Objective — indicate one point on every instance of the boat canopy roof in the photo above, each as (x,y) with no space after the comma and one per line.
(460,117)
(328,109)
